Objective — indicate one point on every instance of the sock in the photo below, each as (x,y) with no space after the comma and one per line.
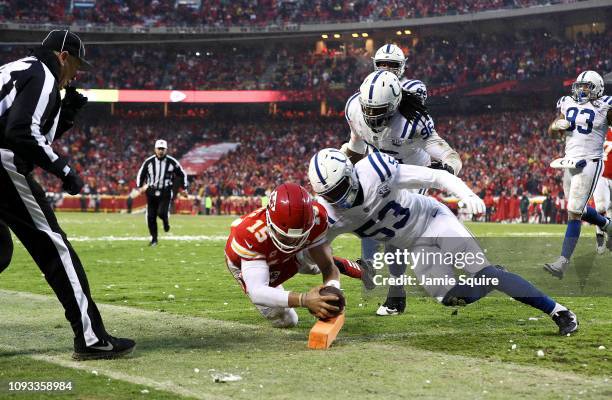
(347,267)
(368,248)
(572,233)
(558,307)
(593,217)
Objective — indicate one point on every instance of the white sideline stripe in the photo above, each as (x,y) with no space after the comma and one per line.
(186,238)
(41,223)
(218,238)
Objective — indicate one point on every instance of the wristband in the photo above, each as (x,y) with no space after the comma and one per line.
(333,283)
(300,300)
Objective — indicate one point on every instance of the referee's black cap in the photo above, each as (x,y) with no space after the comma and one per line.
(64,40)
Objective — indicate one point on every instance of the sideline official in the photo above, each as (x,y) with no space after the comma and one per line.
(156,176)
(32,115)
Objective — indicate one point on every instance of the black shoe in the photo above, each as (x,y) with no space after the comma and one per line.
(166,227)
(112,347)
(392,306)
(153,243)
(566,321)
(367,273)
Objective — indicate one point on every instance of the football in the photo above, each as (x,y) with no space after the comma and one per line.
(331,290)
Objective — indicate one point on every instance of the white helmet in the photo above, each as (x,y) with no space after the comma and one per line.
(590,80)
(333,177)
(417,88)
(390,58)
(379,95)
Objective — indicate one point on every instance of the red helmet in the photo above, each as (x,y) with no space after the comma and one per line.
(290,217)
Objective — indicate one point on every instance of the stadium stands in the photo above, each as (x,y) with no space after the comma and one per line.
(243,12)
(501,152)
(436,61)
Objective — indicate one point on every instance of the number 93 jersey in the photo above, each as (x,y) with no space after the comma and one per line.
(387,213)
(588,126)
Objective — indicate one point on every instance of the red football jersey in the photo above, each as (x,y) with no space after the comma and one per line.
(608,156)
(249,240)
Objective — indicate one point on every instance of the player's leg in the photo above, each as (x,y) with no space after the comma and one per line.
(368,248)
(27,213)
(395,303)
(452,237)
(579,185)
(152,206)
(164,210)
(602,198)
(609,211)
(6,246)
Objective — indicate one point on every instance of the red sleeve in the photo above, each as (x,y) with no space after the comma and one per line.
(244,242)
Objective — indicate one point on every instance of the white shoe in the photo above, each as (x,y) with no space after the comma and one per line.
(557,269)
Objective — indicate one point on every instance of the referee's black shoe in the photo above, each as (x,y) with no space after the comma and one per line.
(109,348)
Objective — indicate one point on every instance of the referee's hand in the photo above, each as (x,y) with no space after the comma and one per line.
(72,183)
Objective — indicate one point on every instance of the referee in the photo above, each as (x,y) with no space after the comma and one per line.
(156,176)
(32,115)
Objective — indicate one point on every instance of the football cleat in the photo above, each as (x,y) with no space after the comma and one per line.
(566,321)
(392,306)
(153,243)
(557,269)
(110,348)
(166,227)
(367,273)
(601,243)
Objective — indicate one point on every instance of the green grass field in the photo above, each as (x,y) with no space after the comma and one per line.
(192,321)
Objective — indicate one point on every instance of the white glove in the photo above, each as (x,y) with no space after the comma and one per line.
(473,204)
(345,148)
(560,125)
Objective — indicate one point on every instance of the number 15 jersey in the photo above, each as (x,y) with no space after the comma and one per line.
(588,126)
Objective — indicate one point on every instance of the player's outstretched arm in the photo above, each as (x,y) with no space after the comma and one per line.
(256,276)
(414,177)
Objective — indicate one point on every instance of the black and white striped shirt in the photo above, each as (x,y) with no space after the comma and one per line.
(160,173)
(30,110)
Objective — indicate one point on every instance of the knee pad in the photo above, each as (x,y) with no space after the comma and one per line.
(283,318)
(280,317)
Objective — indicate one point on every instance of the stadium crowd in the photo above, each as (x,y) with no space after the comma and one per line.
(221,13)
(504,156)
(436,61)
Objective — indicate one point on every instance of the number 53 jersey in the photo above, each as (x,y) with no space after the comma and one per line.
(588,126)
(389,212)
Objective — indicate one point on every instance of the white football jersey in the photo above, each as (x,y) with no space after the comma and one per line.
(405,141)
(390,212)
(588,126)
